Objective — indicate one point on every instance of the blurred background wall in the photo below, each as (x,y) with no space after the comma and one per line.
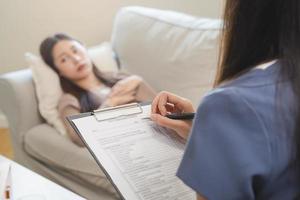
(25,23)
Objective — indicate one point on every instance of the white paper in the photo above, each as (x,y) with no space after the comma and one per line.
(139,156)
(27,184)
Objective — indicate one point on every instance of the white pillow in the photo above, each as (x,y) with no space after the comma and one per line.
(47,84)
(103,57)
(170,50)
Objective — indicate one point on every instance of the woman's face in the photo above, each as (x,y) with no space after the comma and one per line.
(71,60)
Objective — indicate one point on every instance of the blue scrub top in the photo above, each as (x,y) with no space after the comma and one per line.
(241,142)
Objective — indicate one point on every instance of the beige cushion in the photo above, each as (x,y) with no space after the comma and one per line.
(59,152)
(171,51)
(48,91)
(47,84)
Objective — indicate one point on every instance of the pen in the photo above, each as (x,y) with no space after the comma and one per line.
(181,116)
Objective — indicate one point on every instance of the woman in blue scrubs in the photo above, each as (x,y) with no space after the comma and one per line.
(244,142)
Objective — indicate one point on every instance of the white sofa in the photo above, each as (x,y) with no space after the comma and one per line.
(172,51)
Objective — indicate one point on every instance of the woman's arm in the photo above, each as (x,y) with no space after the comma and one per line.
(130,89)
(144,92)
(126,85)
(67,111)
(69,105)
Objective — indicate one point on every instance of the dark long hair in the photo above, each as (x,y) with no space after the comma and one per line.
(256,31)
(87,101)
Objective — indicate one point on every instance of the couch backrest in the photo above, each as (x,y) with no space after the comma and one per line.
(170,50)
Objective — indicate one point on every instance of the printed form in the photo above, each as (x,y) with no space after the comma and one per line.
(140,157)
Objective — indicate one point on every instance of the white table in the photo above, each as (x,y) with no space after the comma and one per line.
(26,182)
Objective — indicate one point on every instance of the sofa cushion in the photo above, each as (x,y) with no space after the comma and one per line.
(56,151)
(171,51)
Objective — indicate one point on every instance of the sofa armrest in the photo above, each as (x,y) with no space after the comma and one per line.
(19,103)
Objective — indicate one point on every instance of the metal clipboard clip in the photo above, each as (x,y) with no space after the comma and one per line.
(118,111)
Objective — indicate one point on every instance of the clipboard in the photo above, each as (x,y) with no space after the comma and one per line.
(113,114)
(126,110)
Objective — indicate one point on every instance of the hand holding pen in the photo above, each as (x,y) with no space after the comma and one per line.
(174,112)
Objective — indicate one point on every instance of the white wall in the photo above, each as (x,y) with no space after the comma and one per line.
(25,23)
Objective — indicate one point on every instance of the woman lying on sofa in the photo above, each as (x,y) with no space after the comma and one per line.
(86,87)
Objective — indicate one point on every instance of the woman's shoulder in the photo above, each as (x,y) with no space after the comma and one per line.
(234,103)
(222,95)
(258,77)
(67,100)
(255,89)
(67,97)
(260,101)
